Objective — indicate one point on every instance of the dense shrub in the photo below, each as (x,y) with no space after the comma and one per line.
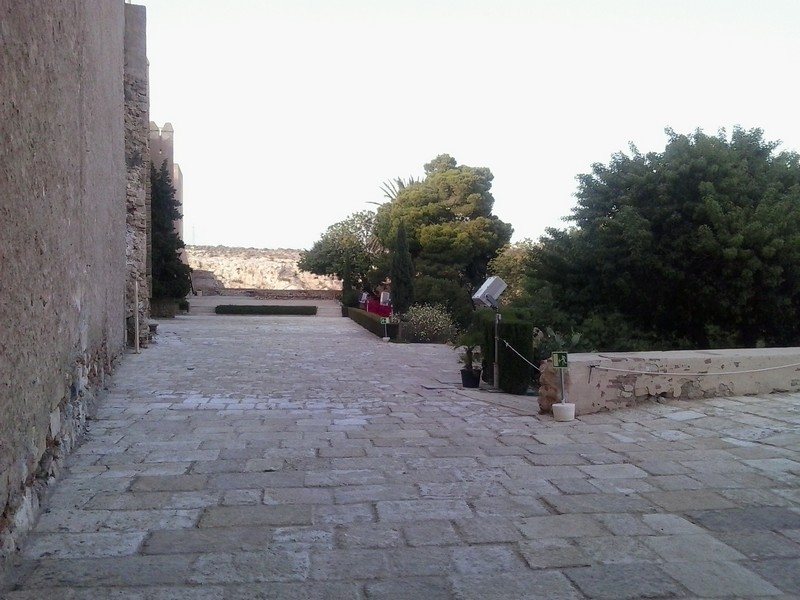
(515,373)
(372,323)
(163,308)
(249,309)
(349,297)
(448,293)
(484,322)
(426,323)
(547,341)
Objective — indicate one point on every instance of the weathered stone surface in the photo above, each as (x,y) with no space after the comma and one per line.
(783,573)
(598,503)
(81,545)
(763,518)
(545,553)
(282,514)
(430,588)
(250,567)
(688,500)
(411,510)
(720,579)
(561,526)
(137,160)
(112,572)
(513,586)
(62,247)
(347,564)
(448,512)
(153,592)
(430,533)
(617,549)
(694,547)
(197,541)
(488,530)
(624,582)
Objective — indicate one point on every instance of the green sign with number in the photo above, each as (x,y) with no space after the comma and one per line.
(560,360)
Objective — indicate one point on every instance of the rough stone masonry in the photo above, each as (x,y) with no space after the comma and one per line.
(62,233)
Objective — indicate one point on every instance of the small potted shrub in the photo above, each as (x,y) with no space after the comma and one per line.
(469,344)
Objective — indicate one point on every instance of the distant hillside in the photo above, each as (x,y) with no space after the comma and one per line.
(254,268)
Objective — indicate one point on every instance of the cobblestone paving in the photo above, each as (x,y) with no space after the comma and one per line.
(245,458)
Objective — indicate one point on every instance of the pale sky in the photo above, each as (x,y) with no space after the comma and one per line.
(289,115)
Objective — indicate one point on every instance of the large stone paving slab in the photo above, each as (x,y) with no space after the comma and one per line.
(288,458)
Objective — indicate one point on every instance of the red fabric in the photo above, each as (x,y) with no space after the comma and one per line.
(373,306)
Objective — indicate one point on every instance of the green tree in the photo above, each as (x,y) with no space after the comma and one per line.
(350,243)
(696,246)
(401,273)
(512,264)
(447,293)
(391,188)
(452,233)
(171,276)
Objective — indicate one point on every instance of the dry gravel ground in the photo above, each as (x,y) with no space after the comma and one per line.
(243,458)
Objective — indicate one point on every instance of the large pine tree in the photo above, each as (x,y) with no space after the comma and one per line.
(171,278)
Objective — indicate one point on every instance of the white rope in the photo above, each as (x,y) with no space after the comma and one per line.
(520,355)
(694,374)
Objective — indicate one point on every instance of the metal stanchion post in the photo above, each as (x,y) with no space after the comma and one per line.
(497,349)
(136,316)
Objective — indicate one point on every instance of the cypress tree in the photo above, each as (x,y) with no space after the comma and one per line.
(170,274)
(402,272)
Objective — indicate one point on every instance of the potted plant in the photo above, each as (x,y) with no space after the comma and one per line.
(469,343)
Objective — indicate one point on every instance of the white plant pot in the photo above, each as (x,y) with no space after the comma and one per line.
(564,411)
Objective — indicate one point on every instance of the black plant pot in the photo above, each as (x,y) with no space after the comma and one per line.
(471,378)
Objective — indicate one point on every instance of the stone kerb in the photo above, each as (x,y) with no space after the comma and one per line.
(596,382)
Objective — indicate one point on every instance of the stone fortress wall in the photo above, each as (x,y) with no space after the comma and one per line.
(137,158)
(63,231)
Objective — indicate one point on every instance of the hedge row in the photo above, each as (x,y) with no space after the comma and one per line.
(372,323)
(266,309)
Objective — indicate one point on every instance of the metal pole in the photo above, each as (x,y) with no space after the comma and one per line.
(496,349)
(136,315)
(563,393)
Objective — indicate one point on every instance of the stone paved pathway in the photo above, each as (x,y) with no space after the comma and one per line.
(245,458)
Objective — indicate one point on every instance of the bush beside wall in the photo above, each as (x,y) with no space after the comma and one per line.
(372,323)
(163,308)
(515,373)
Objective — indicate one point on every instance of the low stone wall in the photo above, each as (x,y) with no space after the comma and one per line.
(596,382)
(283,294)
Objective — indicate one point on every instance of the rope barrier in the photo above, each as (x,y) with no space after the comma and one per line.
(693,374)
(514,350)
